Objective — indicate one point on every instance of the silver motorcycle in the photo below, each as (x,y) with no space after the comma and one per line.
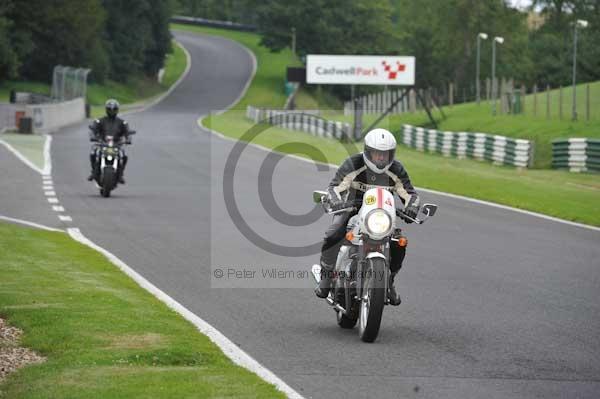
(361,275)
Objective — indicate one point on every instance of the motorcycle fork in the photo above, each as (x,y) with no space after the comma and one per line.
(361,270)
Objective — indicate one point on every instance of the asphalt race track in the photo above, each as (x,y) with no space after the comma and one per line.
(495,303)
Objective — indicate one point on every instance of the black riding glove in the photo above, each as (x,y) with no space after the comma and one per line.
(411,212)
(334,200)
(412,209)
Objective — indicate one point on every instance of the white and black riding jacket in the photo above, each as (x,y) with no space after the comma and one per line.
(354,178)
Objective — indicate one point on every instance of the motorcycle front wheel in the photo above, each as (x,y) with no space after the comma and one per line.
(108,182)
(343,320)
(373,300)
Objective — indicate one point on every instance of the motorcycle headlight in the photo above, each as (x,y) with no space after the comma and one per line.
(378,223)
(109,158)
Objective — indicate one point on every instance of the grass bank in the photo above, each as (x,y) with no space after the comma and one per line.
(31,146)
(539,128)
(136,90)
(103,336)
(267,88)
(561,194)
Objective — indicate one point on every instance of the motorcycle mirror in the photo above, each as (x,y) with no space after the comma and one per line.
(429,209)
(132,132)
(318,195)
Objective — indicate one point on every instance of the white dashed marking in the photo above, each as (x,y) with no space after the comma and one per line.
(49,193)
(65,218)
(53,200)
(58,208)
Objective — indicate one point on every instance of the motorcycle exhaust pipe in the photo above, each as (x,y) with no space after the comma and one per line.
(336,306)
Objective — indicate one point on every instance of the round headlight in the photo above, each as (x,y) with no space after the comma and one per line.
(378,223)
(109,158)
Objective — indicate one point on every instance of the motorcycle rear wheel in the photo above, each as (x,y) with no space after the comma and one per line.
(344,320)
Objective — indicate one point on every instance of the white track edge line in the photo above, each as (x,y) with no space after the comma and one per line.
(200,123)
(510,208)
(232,351)
(441,193)
(47,171)
(30,224)
(242,93)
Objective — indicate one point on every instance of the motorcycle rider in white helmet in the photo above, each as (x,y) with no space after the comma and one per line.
(374,167)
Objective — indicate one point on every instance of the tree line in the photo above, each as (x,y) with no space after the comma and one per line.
(117,39)
(538,45)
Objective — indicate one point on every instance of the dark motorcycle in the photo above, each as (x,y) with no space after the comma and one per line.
(109,162)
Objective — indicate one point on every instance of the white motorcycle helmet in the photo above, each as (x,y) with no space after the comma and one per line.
(380,149)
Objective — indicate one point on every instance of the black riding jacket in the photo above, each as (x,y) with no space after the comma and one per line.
(107,126)
(354,178)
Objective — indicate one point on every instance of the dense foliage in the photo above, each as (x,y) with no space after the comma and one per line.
(441,34)
(117,39)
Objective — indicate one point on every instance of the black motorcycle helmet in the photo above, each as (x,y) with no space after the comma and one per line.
(112,108)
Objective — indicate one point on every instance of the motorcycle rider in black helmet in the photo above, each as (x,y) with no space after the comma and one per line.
(110,125)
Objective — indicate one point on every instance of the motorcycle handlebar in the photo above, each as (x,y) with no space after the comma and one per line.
(339,206)
(400,213)
(102,142)
(353,205)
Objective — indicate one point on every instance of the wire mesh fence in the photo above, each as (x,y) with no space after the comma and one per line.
(69,83)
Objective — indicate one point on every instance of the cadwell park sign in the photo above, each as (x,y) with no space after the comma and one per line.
(360,70)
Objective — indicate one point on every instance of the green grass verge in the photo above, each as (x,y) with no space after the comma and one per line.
(561,194)
(103,335)
(35,87)
(31,146)
(136,90)
(267,88)
(470,117)
(140,89)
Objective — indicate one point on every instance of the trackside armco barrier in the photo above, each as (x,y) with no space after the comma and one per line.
(498,149)
(577,154)
(52,116)
(215,24)
(305,121)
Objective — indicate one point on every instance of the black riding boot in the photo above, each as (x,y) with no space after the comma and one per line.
(324,286)
(392,295)
(92,166)
(122,169)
